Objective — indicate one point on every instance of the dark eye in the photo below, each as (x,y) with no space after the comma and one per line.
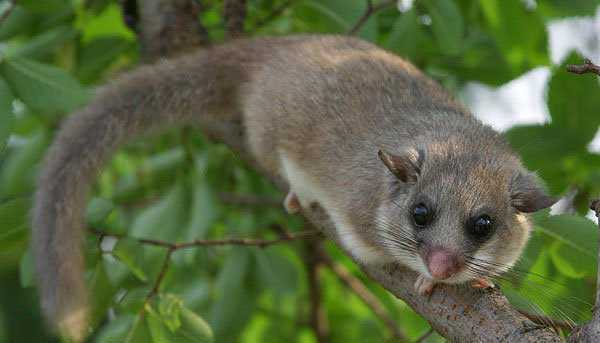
(481,227)
(421,215)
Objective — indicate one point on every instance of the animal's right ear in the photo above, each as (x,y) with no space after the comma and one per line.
(527,195)
(405,165)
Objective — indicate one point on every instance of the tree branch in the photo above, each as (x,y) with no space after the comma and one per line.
(10,5)
(169,28)
(276,12)
(371,9)
(586,67)
(234,12)
(261,243)
(590,332)
(364,294)
(425,336)
(250,200)
(318,317)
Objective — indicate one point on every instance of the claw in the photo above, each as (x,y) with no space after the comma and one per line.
(424,285)
(291,203)
(482,283)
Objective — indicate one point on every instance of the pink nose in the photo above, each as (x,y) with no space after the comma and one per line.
(443,263)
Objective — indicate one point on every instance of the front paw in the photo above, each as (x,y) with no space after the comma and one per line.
(424,285)
(291,203)
(482,283)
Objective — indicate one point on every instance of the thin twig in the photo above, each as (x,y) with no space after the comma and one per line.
(425,336)
(7,11)
(234,13)
(318,317)
(586,67)
(274,14)
(357,286)
(161,275)
(211,242)
(371,9)
(250,200)
(547,321)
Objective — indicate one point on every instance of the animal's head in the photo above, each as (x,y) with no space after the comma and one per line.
(455,214)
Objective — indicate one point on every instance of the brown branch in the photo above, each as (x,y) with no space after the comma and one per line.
(425,336)
(169,28)
(590,332)
(10,6)
(261,243)
(586,67)
(234,12)
(276,12)
(161,275)
(369,11)
(357,286)
(547,321)
(250,200)
(318,317)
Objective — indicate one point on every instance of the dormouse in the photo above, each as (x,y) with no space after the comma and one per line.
(403,170)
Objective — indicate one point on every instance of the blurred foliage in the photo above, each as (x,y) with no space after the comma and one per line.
(54,52)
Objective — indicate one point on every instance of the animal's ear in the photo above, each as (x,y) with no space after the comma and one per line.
(527,194)
(406,165)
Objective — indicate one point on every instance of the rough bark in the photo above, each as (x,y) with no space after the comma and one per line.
(168,28)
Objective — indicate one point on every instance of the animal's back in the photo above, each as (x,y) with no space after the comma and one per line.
(340,92)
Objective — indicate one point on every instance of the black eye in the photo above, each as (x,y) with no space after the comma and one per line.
(421,215)
(481,227)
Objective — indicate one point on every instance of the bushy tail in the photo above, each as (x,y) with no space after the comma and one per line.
(150,98)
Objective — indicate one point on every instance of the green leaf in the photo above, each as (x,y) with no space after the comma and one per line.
(508,19)
(7,117)
(18,169)
(194,328)
(169,307)
(165,219)
(578,233)
(40,45)
(570,262)
(276,272)
(405,35)
(138,332)
(27,270)
(44,6)
(571,108)
(567,8)
(339,16)
(116,330)
(103,292)
(158,331)
(447,24)
(98,54)
(189,328)
(234,301)
(19,21)
(535,143)
(129,252)
(108,23)
(97,210)
(43,87)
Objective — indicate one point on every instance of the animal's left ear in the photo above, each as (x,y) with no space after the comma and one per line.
(405,165)
(527,194)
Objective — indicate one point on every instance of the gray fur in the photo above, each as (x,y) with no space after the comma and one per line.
(330,103)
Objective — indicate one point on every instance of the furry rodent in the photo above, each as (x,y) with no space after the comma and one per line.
(405,172)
